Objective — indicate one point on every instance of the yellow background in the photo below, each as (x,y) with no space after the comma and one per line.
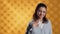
(16,14)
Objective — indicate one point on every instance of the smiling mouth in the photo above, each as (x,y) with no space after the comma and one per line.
(40,16)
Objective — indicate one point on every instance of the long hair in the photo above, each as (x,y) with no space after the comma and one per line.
(36,17)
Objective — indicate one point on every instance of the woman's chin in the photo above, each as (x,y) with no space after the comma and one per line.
(40,17)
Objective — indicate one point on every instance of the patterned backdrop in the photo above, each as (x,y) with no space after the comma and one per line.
(16,14)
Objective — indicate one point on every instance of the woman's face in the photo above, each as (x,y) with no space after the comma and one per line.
(41,12)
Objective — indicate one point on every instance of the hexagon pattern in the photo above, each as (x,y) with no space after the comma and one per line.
(16,14)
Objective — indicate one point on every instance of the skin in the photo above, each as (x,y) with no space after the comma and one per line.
(41,12)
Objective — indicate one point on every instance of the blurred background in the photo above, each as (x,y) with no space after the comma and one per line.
(16,14)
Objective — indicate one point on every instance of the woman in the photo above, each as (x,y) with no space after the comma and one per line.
(39,24)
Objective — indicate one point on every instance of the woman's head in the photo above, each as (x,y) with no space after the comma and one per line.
(40,12)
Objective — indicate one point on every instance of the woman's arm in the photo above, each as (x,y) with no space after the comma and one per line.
(50,29)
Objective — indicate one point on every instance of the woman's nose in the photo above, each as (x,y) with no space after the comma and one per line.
(41,13)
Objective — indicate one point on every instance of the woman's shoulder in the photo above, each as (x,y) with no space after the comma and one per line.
(31,22)
(49,22)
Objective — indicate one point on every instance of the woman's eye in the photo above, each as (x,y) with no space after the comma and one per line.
(39,11)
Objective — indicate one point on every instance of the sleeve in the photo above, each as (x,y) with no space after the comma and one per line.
(28,28)
(50,29)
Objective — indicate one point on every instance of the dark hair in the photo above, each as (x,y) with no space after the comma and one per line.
(35,16)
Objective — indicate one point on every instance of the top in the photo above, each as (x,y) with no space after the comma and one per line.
(45,29)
